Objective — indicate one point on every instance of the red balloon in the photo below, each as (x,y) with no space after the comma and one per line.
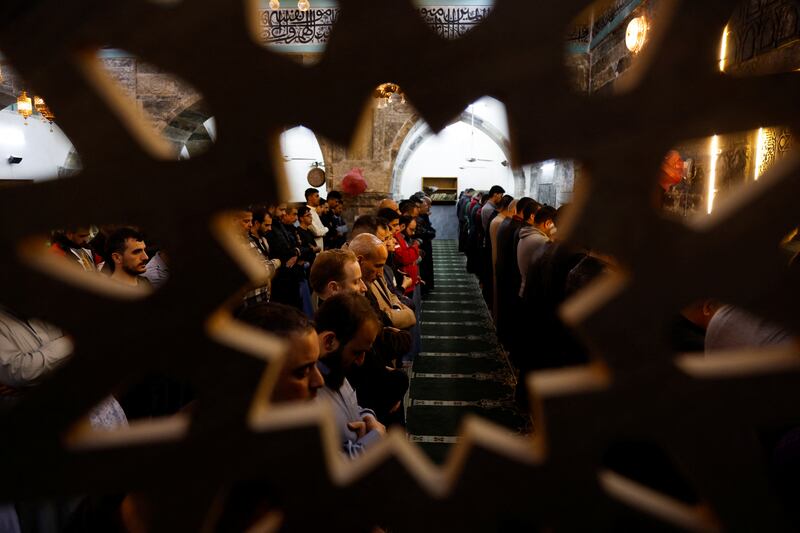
(354,182)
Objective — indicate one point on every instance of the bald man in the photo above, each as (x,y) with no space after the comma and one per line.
(378,386)
(388,203)
(372,255)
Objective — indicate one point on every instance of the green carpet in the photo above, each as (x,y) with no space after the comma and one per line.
(461,369)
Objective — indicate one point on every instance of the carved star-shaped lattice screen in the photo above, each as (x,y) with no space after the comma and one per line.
(703,413)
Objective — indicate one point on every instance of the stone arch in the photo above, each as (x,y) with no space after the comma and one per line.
(186,127)
(400,138)
(416,131)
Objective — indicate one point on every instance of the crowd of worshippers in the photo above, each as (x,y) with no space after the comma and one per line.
(526,271)
(347,297)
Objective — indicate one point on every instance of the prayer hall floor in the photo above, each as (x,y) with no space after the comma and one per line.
(461,369)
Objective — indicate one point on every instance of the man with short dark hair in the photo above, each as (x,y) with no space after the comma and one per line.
(425,232)
(463,201)
(317,227)
(392,219)
(306,235)
(508,278)
(257,241)
(495,195)
(506,209)
(347,328)
(337,232)
(410,207)
(336,271)
(73,243)
(126,253)
(461,212)
(366,224)
(262,225)
(533,235)
(299,378)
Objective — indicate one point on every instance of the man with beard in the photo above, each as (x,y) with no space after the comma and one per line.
(299,381)
(73,243)
(347,328)
(127,257)
(299,378)
(256,237)
(262,225)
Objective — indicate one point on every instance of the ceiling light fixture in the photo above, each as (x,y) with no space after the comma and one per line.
(302,5)
(635,34)
(27,106)
(389,93)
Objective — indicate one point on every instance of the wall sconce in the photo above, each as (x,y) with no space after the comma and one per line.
(635,34)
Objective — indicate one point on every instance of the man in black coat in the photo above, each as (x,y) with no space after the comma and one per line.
(426,233)
(508,276)
(283,245)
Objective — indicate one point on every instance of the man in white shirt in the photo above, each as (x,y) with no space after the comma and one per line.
(317,227)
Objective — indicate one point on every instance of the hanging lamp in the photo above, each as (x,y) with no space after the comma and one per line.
(41,107)
(24,106)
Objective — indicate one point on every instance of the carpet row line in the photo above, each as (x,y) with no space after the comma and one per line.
(461,369)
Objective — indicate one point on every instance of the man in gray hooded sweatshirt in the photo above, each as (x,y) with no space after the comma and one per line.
(538,226)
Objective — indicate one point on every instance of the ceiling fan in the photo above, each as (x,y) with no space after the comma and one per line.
(316,163)
(471,158)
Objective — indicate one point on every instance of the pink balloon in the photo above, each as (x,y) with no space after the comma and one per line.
(354,182)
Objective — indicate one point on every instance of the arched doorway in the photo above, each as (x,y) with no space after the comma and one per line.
(475,148)
(301,152)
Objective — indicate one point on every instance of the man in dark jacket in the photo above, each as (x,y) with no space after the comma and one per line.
(333,220)
(426,233)
(283,246)
(508,276)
